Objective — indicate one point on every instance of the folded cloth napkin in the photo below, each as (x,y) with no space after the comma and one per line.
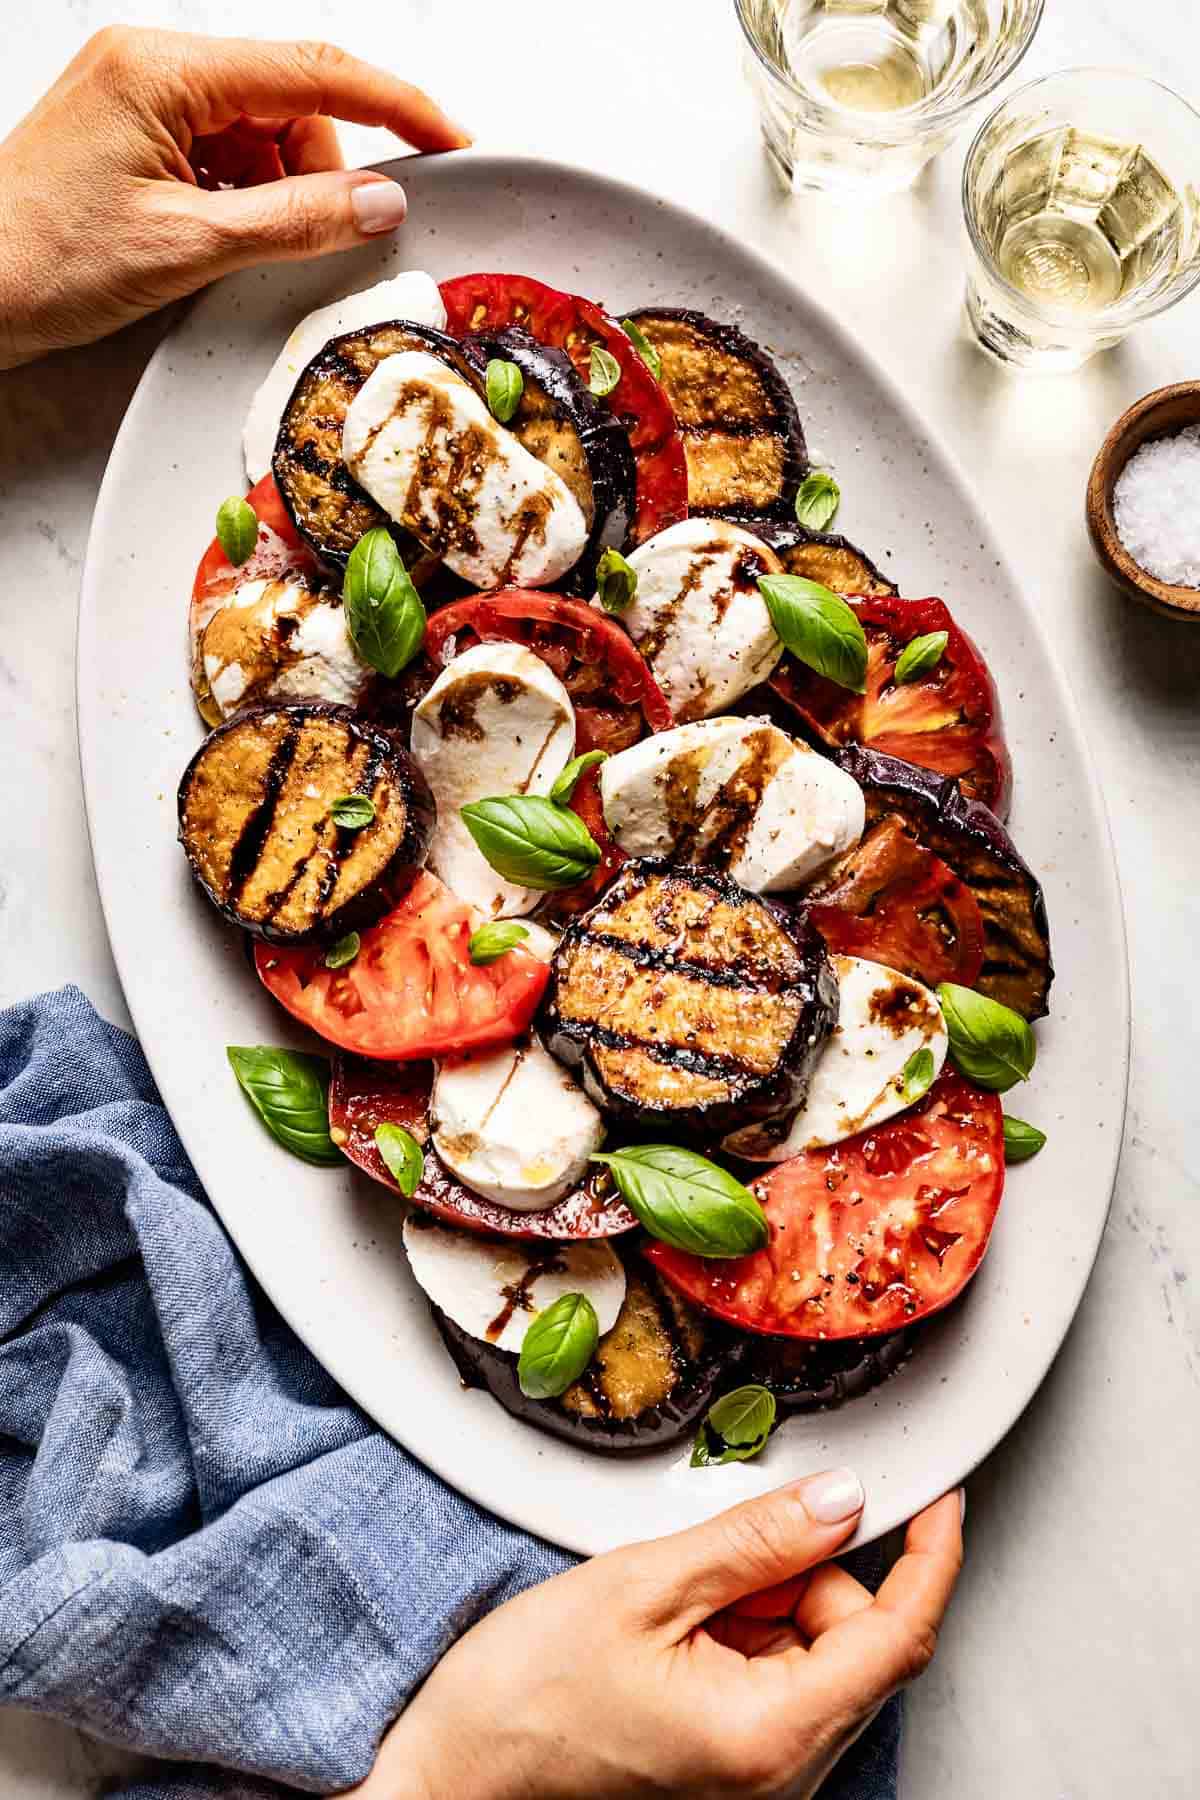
(207,1553)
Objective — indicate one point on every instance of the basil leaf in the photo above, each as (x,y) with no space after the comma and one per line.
(616,582)
(384,613)
(352,811)
(818,627)
(237,529)
(735,1428)
(530,840)
(402,1155)
(491,942)
(290,1093)
(818,500)
(916,1077)
(505,385)
(559,1345)
(1021,1141)
(644,347)
(989,1043)
(920,655)
(343,953)
(687,1201)
(604,371)
(564,787)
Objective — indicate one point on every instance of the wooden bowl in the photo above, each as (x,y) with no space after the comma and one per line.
(1165,411)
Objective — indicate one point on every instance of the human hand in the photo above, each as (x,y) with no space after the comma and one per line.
(103,215)
(711,1663)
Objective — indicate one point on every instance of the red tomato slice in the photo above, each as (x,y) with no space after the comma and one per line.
(947,720)
(612,690)
(563,905)
(893,901)
(870,1234)
(279,549)
(566,322)
(365,1095)
(412,991)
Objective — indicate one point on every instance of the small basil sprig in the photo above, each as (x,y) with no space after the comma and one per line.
(916,1077)
(505,385)
(818,627)
(687,1201)
(644,347)
(237,529)
(1021,1141)
(559,1344)
(492,941)
(818,500)
(920,655)
(564,787)
(384,613)
(616,582)
(989,1042)
(402,1155)
(530,840)
(343,953)
(290,1093)
(735,1428)
(604,371)
(352,811)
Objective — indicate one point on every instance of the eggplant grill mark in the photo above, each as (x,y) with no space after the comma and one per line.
(345,841)
(715,1065)
(592,1383)
(747,977)
(245,855)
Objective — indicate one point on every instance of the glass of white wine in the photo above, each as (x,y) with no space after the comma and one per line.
(1083,217)
(856,95)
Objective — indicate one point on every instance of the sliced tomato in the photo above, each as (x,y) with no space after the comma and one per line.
(870,1234)
(566,322)
(278,550)
(893,901)
(616,698)
(947,720)
(567,902)
(364,1095)
(412,991)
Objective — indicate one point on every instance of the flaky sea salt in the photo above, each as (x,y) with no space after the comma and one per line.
(1156,506)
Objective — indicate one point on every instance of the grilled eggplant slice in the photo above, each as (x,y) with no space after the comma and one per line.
(822,556)
(566,427)
(328,508)
(652,1378)
(811,1377)
(741,432)
(687,1003)
(254,819)
(1017,969)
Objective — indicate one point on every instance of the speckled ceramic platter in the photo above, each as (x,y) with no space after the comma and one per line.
(326,1244)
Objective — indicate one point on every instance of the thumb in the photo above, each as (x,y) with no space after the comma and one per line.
(753,1546)
(301,216)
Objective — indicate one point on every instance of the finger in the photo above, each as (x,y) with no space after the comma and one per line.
(227,76)
(778,1602)
(310,146)
(753,1637)
(280,221)
(830,1596)
(752,1546)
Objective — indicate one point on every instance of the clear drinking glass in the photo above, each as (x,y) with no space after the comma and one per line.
(857,95)
(1082,215)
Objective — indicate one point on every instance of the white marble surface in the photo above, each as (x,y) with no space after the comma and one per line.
(1068,1669)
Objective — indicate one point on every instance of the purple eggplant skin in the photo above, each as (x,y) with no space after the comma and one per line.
(1017,966)
(810,1377)
(823,556)
(557,400)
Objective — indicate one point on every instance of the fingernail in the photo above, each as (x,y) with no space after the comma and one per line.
(962,1506)
(833,1496)
(378,206)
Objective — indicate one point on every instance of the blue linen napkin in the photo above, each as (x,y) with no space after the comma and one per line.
(207,1552)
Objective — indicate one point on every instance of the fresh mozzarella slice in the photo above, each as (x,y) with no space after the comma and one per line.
(737,792)
(496,721)
(492,1287)
(513,1125)
(540,942)
(421,441)
(280,640)
(412,295)
(697,616)
(884,1019)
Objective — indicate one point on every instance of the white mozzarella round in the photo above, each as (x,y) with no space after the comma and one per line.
(496,721)
(412,295)
(884,1019)
(492,1287)
(541,942)
(421,441)
(513,1125)
(698,617)
(738,790)
(280,639)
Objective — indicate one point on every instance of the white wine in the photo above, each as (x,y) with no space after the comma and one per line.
(879,56)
